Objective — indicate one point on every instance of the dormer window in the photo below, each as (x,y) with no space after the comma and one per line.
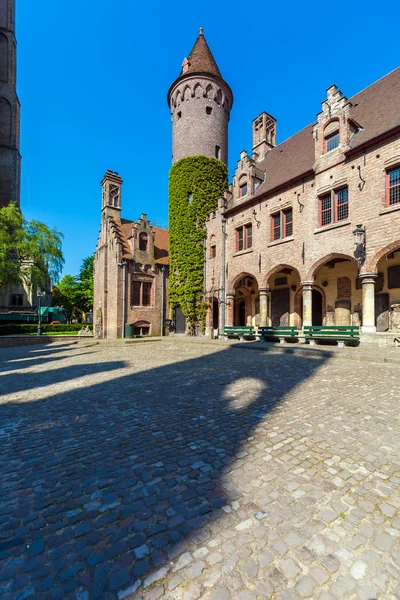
(331,136)
(143,242)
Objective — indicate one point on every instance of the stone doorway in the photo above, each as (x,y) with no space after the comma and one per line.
(316,307)
(280,307)
(382,312)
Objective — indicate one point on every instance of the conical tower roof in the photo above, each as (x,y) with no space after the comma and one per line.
(200,59)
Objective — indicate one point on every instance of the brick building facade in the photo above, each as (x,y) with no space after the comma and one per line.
(130,270)
(310,228)
(308,232)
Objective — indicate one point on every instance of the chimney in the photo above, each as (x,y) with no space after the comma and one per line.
(264,135)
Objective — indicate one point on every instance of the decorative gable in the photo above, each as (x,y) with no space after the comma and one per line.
(334,129)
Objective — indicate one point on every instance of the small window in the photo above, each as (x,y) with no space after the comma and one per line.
(178,115)
(136,285)
(334,207)
(146,290)
(208,110)
(331,141)
(282,224)
(217,152)
(244,237)
(213,251)
(243,190)
(141,329)
(190,197)
(141,293)
(393,187)
(17,300)
(143,242)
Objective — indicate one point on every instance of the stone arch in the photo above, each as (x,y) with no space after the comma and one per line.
(298,318)
(178,97)
(187,92)
(208,91)
(5,122)
(218,97)
(3,57)
(276,269)
(373,263)
(331,126)
(232,284)
(198,90)
(326,259)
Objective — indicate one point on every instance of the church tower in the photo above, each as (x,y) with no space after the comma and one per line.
(10,158)
(200,102)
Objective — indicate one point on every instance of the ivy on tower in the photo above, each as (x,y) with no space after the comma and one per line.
(200,102)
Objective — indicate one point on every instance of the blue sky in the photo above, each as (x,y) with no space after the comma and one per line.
(93,77)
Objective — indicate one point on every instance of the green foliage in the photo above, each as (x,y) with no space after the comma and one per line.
(75,294)
(206,180)
(46,328)
(30,251)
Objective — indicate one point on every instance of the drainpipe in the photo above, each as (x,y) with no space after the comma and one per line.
(223,274)
(162,298)
(123,265)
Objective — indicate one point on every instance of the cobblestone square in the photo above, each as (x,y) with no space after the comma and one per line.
(184,470)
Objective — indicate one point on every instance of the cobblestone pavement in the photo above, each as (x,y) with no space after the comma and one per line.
(183,471)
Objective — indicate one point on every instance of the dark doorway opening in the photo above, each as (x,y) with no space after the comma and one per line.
(382,312)
(316,307)
(242,313)
(180,320)
(215,314)
(280,307)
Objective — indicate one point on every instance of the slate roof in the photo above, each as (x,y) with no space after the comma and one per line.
(201,59)
(376,109)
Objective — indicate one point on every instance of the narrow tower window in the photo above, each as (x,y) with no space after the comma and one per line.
(217,152)
(143,242)
(208,110)
(179,114)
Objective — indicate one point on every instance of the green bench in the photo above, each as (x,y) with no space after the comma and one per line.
(281,331)
(238,331)
(336,333)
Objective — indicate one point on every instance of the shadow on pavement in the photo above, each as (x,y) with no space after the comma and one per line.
(103,484)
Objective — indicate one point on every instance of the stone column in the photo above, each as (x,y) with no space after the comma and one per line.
(230,308)
(368,302)
(307,302)
(263,306)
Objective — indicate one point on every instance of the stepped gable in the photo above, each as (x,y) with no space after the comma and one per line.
(376,109)
(161,254)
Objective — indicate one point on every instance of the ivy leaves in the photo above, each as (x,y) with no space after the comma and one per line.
(195,184)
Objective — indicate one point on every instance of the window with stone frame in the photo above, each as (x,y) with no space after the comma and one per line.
(242,187)
(393,187)
(244,236)
(213,250)
(282,224)
(331,136)
(334,207)
(141,294)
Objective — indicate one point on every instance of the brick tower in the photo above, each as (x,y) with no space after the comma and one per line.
(200,102)
(10,158)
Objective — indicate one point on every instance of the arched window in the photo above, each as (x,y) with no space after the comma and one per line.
(143,242)
(331,136)
(5,121)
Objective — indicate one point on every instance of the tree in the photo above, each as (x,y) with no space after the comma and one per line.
(30,251)
(75,293)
